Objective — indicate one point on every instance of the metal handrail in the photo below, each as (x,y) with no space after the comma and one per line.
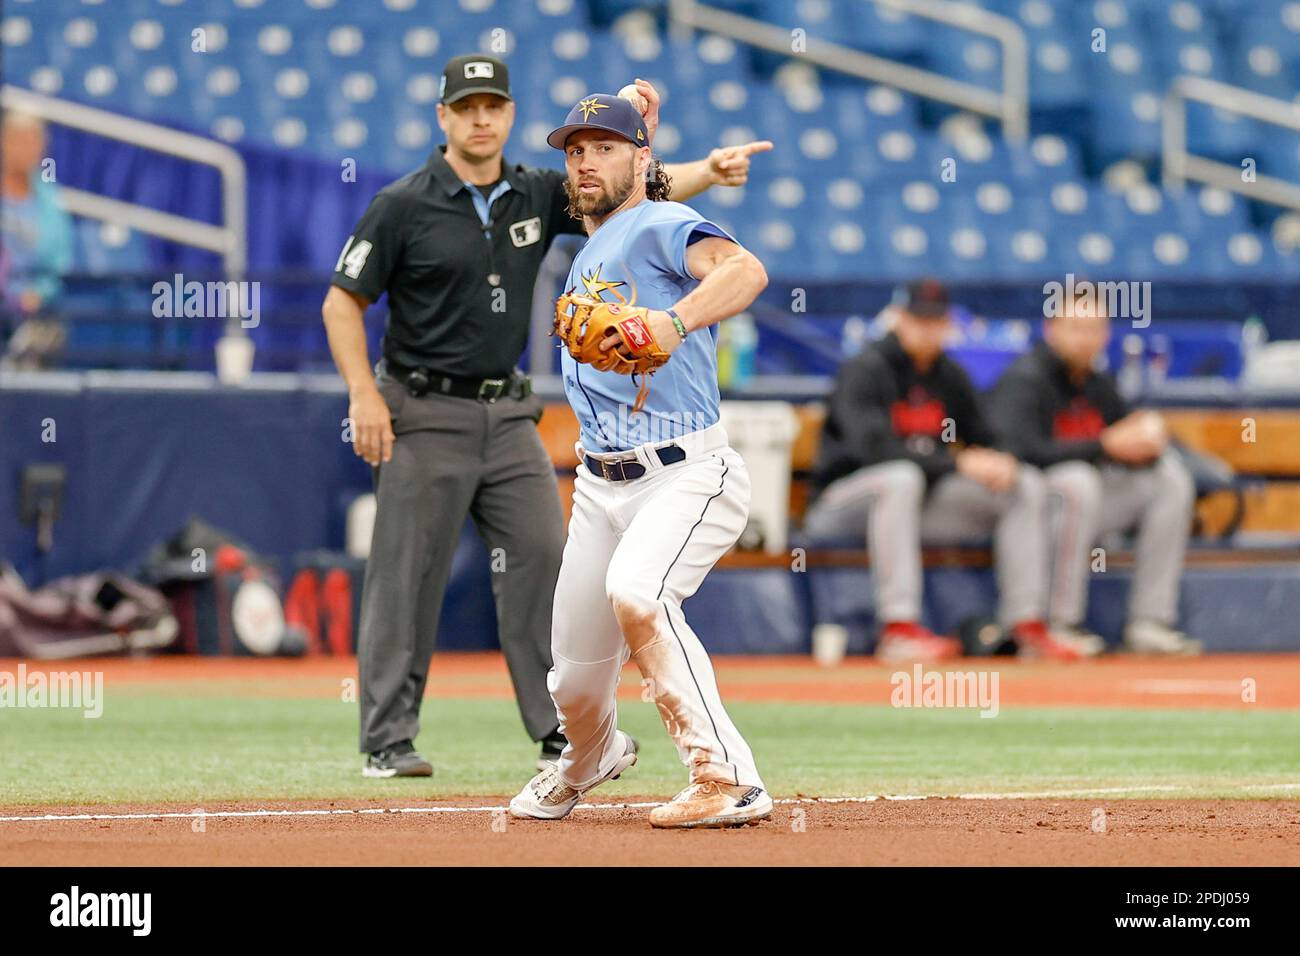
(1010,106)
(1178,165)
(230,239)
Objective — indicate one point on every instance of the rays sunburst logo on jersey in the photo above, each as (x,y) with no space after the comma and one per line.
(596,286)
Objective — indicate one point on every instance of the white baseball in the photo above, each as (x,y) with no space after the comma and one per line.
(630,94)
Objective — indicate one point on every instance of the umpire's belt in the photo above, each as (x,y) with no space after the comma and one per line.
(626,469)
(423,381)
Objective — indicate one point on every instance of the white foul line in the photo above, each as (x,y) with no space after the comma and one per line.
(375,811)
(1228,688)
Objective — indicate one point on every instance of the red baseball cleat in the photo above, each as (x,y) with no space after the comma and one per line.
(909,641)
(1034,640)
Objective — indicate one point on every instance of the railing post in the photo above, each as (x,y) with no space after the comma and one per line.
(1015,87)
(1173,140)
(681,19)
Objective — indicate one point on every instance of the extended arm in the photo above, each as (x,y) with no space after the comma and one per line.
(725,166)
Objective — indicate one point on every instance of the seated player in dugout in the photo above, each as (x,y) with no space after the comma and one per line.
(907,454)
(1108,469)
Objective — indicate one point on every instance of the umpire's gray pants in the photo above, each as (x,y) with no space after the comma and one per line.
(1087,502)
(890,499)
(452,457)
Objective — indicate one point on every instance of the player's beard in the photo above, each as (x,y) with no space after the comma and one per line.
(600,204)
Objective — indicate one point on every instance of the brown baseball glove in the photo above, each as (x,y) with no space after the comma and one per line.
(583,322)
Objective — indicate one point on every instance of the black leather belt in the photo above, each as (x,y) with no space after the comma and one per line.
(423,381)
(628,469)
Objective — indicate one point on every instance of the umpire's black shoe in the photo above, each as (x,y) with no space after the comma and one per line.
(551,749)
(399,760)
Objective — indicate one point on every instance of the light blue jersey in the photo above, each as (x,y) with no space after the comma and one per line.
(639,256)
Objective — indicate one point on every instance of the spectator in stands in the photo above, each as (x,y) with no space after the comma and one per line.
(1108,469)
(37,245)
(907,454)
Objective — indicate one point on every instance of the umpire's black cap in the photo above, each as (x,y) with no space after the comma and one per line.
(474,73)
(927,298)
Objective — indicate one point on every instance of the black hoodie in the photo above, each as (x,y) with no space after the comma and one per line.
(1044,418)
(882,409)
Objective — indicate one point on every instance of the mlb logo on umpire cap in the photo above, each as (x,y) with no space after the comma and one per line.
(474,73)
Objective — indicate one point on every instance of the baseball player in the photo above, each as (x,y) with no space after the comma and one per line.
(660,496)
(1108,468)
(447,420)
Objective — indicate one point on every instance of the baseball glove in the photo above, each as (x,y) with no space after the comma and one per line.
(583,322)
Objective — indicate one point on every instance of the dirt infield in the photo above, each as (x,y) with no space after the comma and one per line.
(1119,681)
(1041,828)
(878,833)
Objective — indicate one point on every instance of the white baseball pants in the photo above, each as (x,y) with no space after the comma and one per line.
(636,549)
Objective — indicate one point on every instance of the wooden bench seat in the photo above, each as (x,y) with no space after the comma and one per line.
(1273,506)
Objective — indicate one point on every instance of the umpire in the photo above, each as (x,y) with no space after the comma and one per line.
(447,419)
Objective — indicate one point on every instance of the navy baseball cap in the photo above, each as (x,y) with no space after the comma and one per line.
(603,111)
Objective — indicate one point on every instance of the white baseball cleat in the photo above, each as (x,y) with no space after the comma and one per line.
(1152,637)
(712,804)
(1081,639)
(548,797)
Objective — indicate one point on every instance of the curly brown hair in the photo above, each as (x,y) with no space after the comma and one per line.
(658,184)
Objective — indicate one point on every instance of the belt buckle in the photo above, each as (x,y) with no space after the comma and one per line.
(614,470)
(498,383)
(417,382)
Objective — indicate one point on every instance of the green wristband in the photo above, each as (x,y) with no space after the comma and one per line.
(677,324)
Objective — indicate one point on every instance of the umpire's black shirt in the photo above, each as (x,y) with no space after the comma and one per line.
(883,409)
(1046,417)
(458,301)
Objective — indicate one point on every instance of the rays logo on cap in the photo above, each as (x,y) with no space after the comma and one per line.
(590,106)
(477,69)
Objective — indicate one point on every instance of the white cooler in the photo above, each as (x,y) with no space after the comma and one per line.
(764,434)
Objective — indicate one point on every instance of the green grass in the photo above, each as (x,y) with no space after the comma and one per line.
(153,745)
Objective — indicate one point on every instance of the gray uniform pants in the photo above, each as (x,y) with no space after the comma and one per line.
(1087,502)
(891,500)
(452,457)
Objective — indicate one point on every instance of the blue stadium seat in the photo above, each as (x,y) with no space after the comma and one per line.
(24,50)
(1125,125)
(1260,62)
(1279,154)
(1046,158)
(975,159)
(1202,211)
(901,251)
(969,57)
